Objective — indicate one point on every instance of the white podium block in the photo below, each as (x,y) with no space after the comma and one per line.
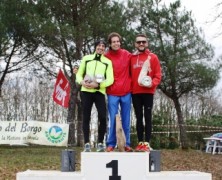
(181,175)
(115,165)
(48,175)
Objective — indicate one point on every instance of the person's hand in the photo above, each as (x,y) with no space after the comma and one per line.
(85,84)
(89,84)
(93,85)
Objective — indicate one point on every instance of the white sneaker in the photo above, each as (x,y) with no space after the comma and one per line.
(100,148)
(87,147)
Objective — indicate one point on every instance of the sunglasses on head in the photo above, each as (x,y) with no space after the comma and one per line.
(139,42)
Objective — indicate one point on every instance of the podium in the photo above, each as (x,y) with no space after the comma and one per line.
(113,166)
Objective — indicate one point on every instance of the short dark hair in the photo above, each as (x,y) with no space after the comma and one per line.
(100,41)
(141,35)
(114,34)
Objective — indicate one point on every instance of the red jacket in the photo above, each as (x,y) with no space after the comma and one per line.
(137,61)
(121,70)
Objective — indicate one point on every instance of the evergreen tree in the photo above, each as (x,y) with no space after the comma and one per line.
(184,54)
(67,30)
(16,41)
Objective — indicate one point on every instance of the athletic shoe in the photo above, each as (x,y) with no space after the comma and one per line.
(139,147)
(146,147)
(100,148)
(87,148)
(128,149)
(109,149)
(148,144)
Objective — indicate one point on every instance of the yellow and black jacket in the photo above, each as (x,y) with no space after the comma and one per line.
(92,66)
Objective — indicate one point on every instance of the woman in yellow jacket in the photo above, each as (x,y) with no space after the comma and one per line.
(95,74)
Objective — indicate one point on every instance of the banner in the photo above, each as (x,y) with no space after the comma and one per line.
(61,92)
(33,132)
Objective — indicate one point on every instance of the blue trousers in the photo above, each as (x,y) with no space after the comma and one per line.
(114,103)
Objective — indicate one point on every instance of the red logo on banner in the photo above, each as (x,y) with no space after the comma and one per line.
(61,92)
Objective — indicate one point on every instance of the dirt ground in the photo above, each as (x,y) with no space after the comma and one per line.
(178,160)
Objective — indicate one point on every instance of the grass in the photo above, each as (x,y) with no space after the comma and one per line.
(15,159)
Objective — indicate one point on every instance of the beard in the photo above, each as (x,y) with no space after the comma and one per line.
(141,50)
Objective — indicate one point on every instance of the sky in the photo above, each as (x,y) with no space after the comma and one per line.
(204,12)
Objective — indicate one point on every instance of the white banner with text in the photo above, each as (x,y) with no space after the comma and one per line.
(33,132)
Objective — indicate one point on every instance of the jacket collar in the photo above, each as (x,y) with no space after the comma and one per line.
(114,52)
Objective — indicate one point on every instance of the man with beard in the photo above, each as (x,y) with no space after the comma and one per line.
(146,76)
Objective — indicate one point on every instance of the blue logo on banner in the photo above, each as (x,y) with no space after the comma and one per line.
(55,134)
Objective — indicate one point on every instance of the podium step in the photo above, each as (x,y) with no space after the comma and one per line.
(113,166)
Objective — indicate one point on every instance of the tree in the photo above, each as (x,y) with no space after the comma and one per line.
(182,51)
(66,30)
(16,43)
